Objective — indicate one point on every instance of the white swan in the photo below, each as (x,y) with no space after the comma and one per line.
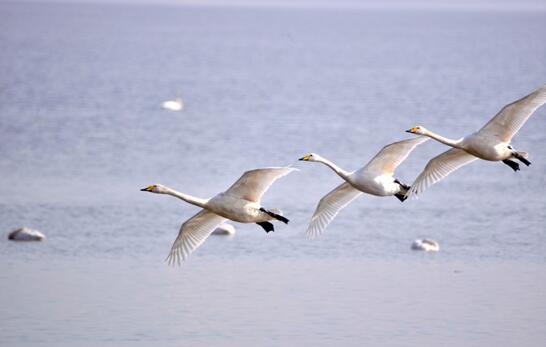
(173,105)
(240,203)
(376,178)
(25,234)
(426,245)
(492,142)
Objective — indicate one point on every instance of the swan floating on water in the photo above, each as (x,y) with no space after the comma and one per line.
(224,229)
(239,203)
(173,105)
(25,234)
(426,245)
(492,142)
(376,178)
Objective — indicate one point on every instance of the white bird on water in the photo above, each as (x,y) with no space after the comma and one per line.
(376,178)
(240,203)
(173,105)
(224,229)
(426,245)
(25,234)
(492,142)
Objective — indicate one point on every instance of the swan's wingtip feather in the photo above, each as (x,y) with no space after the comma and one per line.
(311,236)
(413,194)
(312,233)
(175,258)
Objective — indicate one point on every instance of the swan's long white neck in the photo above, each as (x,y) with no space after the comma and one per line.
(187,198)
(444,140)
(342,173)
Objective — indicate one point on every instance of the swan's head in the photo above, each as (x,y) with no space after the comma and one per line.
(155,188)
(310,157)
(419,130)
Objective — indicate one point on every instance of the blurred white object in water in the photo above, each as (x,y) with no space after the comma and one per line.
(224,229)
(425,245)
(26,234)
(173,105)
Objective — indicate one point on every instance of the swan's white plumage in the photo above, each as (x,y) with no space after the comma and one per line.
(391,156)
(173,105)
(254,183)
(426,245)
(25,234)
(511,118)
(241,202)
(329,206)
(192,234)
(489,143)
(374,178)
(439,167)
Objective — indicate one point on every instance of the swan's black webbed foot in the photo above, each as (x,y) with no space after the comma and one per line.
(512,164)
(401,197)
(267,226)
(402,184)
(274,215)
(523,160)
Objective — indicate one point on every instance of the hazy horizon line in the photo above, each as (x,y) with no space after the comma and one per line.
(480,5)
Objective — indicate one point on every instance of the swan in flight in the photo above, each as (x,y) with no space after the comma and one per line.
(240,203)
(492,142)
(173,105)
(376,178)
(426,245)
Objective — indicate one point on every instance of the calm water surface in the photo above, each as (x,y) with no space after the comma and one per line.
(81,132)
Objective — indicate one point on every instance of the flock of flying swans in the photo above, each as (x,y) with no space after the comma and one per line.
(241,201)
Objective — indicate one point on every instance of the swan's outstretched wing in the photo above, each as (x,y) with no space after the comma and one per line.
(192,234)
(253,184)
(390,156)
(512,117)
(329,206)
(439,167)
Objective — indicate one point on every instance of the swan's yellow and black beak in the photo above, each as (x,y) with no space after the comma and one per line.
(412,130)
(305,157)
(147,189)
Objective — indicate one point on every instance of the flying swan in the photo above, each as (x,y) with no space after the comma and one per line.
(240,203)
(376,178)
(492,142)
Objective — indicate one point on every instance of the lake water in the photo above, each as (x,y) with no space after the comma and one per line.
(81,131)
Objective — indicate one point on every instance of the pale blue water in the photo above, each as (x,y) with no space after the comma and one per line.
(81,132)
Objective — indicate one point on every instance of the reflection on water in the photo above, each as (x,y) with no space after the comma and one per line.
(81,131)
